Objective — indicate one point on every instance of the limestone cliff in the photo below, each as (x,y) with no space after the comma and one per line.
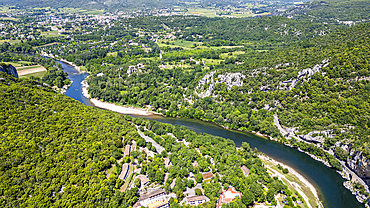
(9,69)
(361,166)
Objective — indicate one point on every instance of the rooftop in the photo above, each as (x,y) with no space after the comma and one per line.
(158,203)
(245,170)
(228,195)
(143,179)
(208,175)
(125,168)
(127,150)
(150,194)
(196,198)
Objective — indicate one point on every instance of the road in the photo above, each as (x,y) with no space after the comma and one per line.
(158,147)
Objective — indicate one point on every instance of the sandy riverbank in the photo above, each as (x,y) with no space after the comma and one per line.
(114,107)
(121,109)
(300,177)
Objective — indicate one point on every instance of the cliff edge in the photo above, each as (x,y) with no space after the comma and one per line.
(9,69)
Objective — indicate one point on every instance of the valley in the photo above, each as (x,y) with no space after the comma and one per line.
(196,81)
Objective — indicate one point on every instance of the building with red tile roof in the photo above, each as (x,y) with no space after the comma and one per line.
(227,196)
(207,176)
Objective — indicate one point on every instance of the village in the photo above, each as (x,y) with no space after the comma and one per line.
(154,195)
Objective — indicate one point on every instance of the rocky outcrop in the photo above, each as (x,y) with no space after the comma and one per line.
(305,73)
(361,166)
(230,79)
(9,69)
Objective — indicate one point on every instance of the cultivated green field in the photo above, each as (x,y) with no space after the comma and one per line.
(37,74)
(28,67)
(10,41)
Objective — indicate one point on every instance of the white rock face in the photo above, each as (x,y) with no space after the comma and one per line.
(361,166)
(135,69)
(309,72)
(230,79)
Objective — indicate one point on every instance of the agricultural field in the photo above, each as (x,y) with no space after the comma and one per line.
(9,41)
(36,74)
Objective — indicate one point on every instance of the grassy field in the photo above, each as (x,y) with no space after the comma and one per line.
(37,74)
(114,54)
(27,67)
(249,14)
(10,41)
(233,54)
(181,43)
(203,12)
(50,34)
(212,61)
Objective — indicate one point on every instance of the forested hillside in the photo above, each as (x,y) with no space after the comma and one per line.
(54,150)
(332,11)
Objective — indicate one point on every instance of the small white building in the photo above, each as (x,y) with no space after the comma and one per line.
(196,200)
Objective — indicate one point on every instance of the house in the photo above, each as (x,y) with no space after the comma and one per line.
(196,200)
(227,196)
(144,180)
(207,176)
(245,170)
(124,172)
(127,150)
(153,196)
(162,203)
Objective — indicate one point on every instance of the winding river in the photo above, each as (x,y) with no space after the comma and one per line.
(328,183)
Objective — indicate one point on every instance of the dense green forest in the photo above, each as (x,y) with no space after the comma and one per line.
(56,151)
(330,11)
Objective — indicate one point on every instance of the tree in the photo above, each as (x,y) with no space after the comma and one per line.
(285,171)
(248,197)
(198,192)
(159,176)
(137,182)
(270,194)
(180,195)
(199,178)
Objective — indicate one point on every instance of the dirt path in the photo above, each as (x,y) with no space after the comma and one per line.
(31,71)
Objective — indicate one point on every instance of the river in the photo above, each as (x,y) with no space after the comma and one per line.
(328,183)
